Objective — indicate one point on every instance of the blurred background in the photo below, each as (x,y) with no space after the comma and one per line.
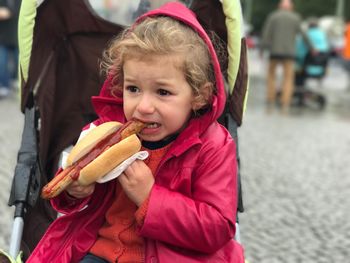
(295,167)
(332,15)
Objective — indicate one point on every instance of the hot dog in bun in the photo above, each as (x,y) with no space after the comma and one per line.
(96,154)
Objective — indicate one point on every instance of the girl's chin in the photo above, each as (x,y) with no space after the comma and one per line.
(151,132)
(150,138)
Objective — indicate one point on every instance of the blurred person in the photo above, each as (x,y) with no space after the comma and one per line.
(279,36)
(346,51)
(312,62)
(317,36)
(9,11)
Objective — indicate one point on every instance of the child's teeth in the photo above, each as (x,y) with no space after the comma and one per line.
(152,125)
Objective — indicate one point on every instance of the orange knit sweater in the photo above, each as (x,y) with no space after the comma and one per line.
(117,239)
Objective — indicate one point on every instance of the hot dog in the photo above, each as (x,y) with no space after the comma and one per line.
(96,154)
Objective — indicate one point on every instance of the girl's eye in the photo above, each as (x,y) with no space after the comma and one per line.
(132,89)
(163,92)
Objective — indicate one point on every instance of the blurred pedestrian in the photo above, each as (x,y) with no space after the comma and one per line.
(9,10)
(312,62)
(279,37)
(346,51)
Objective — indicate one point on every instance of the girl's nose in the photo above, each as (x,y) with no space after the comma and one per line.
(145,105)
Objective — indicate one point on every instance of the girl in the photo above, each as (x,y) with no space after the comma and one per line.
(180,204)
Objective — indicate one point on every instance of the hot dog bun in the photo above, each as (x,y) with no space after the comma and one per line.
(91,139)
(109,159)
(98,152)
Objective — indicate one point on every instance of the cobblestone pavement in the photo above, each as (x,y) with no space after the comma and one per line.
(11,126)
(295,175)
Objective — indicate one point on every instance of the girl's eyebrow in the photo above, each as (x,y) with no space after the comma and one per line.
(129,79)
(164,81)
(161,81)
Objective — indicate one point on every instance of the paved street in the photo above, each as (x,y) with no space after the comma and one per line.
(295,174)
(11,121)
(296,177)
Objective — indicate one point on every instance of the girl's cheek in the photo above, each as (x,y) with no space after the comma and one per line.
(128,110)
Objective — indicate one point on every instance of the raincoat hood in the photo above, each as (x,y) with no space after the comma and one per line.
(181,13)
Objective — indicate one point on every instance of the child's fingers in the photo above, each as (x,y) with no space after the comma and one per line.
(137,181)
(79,191)
(123,179)
(128,174)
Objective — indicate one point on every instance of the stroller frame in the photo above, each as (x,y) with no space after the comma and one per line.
(302,95)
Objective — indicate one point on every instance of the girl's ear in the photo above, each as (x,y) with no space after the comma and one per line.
(204,97)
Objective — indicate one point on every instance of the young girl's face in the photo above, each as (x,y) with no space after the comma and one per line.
(156,92)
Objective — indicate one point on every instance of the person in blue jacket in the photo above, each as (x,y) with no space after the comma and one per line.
(312,63)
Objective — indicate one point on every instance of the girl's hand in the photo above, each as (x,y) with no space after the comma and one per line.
(137,181)
(78,191)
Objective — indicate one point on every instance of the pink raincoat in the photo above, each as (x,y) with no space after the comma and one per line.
(192,207)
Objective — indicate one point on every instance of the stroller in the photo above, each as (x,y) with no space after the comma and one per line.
(311,65)
(61,43)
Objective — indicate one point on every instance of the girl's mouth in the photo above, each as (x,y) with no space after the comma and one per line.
(152,125)
(151,128)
